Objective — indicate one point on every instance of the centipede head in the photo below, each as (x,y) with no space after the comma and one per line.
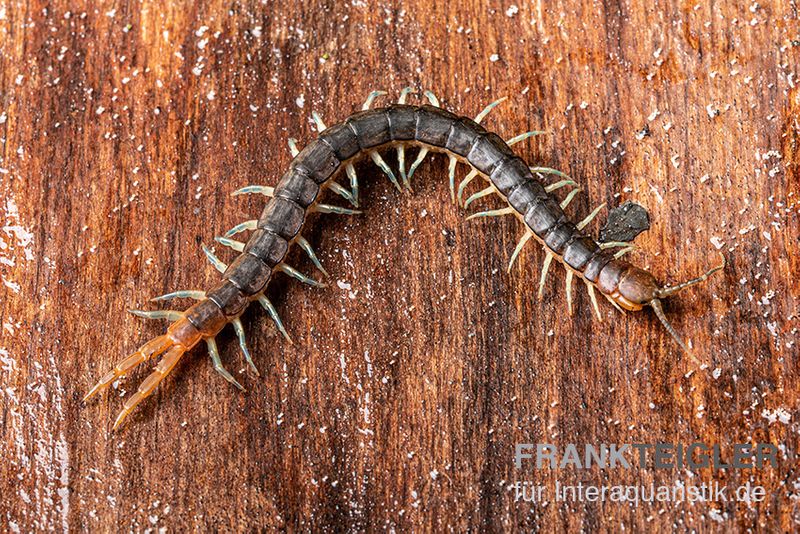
(664,292)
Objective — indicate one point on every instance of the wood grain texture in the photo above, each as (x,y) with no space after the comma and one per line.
(125,126)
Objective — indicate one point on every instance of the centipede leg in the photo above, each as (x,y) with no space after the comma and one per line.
(218,264)
(306,246)
(548,170)
(273,313)
(320,125)
(569,291)
(241,227)
(401,149)
(351,173)
(149,350)
(255,189)
(421,156)
(569,197)
(548,259)
(294,273)
(558,185)
(480,194)
(167,363)
(482,115)
(184,294)
(171,315)
(464,183)
(451,178)
(238,246)
(492,213)
(213,351)
(528,234)
(581,225)
(293,145)
(371,98)
(239,328)
(521,137)
(327,208)
(382,165)
(593,298)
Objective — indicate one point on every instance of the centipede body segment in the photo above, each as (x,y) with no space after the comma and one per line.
(314,170)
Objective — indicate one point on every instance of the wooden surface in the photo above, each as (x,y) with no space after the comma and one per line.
(126,126)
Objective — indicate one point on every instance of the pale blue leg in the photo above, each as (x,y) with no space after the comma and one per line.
(294,273)
(548,170)
(214,353)
(306,246)
(247,225)
(342,192)
(482,115)
(255,189)
(215,261)
(327,208)
(385,168)
(569,197)
(170,315)
(558,185)
(492,213)
(451,176)
(480,194)
(188,294)
(421,156)
(293,147)
(351,173)
(522,137)
(432,98)
(403,94)
(318,122)
(371,98)
(518,249)
(581,225)
(237,325)
(238,246)
(273,313)
(465,182)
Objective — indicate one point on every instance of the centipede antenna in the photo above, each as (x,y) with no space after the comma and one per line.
(518,249)
(668,291)
(385,168)
(237,325)
(371,98)
(421,156)
(247,225)
(558,185)
(238,246)
(255,189)
(215,261)
(482,115)
(581,225)
(522,137)
(451,178)
(465,182)
(217,361)
(273,313)
(480,194)
(294,273)
(432,98)
(318,122)
(548,259)
(351,173)
(492,213)
(548,170)
(569,197)
(306,246)
(656,305)
(403,94)
(327,208)
(184,294)
(170,315)
(569,291)
(293,146)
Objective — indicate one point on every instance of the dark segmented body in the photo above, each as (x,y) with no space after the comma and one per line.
(284,215)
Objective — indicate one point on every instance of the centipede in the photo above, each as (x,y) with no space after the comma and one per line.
(523,191)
